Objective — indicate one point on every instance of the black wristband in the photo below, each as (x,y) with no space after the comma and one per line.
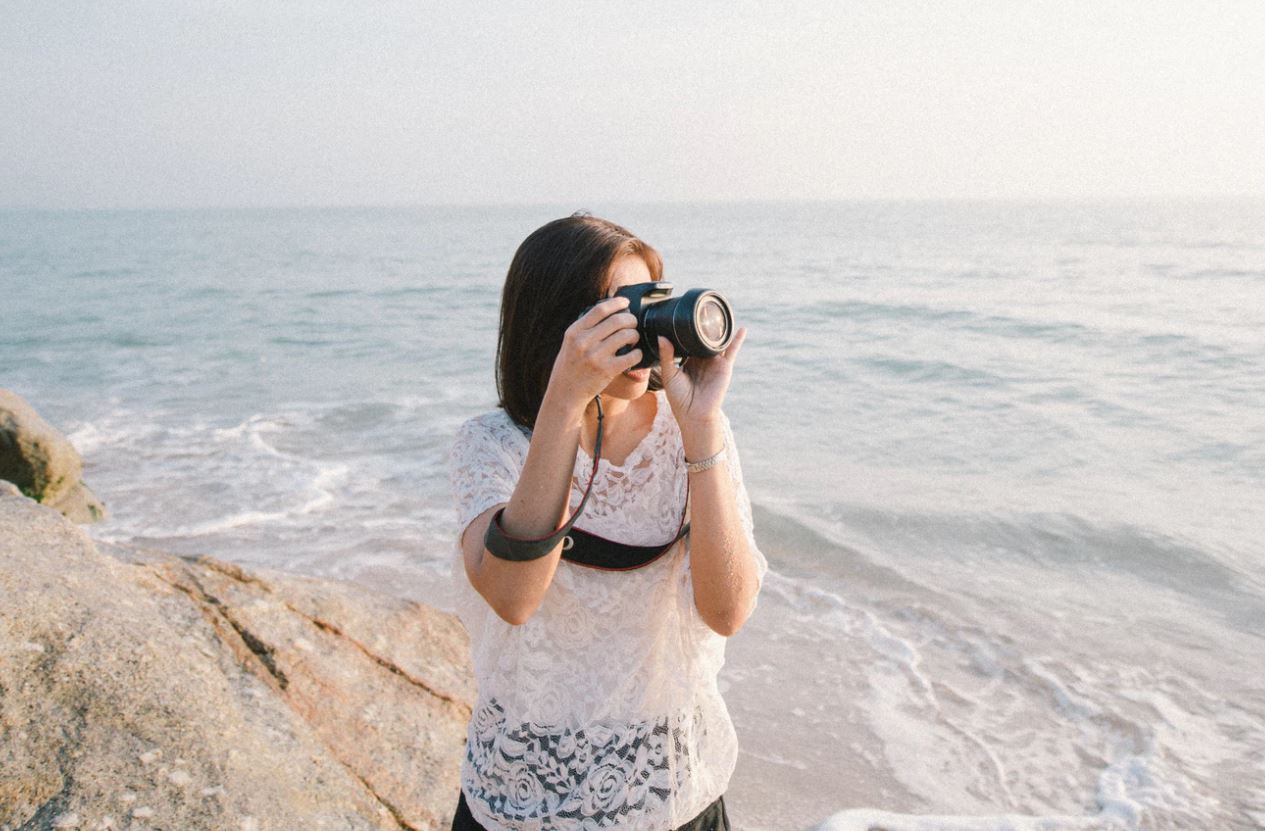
(511,548)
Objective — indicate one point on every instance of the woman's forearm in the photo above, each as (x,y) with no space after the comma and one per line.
(721,562)
(541,498)
(538,506)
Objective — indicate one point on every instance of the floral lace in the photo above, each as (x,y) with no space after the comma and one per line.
(602,710)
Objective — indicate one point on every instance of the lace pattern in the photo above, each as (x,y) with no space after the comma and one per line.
(601,711)
(587,777)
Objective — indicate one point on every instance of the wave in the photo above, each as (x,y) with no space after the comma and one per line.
(933,371)
(1066,545)
(87,438)
(290,340)
(956,699)
(330,293)
(1229,350)
(867,819)
(1221,274)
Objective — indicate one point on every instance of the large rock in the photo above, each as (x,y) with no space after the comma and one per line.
(42,462)
(172,692)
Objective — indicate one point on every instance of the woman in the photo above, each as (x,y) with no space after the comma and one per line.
(598,705)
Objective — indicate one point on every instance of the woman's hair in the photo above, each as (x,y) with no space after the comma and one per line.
(559,271)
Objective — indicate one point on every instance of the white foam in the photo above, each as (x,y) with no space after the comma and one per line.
(327,478)
(1069,702)
(87,437)
(950,704)
(866,819)
(252,429)
(218,525)
(237,474)
(825,607)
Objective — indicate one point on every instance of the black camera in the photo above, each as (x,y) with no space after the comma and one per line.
(699,323)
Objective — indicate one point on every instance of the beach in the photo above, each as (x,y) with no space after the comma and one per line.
(1006,460)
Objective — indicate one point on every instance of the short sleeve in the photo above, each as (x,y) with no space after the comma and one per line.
(744,501)
(483,468)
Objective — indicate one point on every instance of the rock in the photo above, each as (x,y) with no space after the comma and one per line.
(79,505)
(42,462)
(196,694)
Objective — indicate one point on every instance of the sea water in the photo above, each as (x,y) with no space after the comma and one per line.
(1007,461)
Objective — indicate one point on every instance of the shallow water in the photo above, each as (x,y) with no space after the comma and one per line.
(1008,461)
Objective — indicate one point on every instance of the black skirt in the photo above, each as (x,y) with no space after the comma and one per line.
(713,818)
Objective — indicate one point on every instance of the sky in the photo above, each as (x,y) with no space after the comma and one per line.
(194,103)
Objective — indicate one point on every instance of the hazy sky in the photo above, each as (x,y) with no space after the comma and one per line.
(122,104)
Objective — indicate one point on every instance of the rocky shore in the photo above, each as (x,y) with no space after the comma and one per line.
(42,463)
(139,689)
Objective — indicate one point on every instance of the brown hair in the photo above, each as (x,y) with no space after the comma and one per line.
(559,271)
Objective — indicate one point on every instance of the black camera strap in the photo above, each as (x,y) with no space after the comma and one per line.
(579,546)
(521,549)
(589,549)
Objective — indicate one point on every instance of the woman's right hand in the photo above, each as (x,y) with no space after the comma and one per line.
(587,362)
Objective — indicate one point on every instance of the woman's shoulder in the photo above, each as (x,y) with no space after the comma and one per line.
(491,419)
(492,427)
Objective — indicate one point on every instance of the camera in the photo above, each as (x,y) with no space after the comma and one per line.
(699,323)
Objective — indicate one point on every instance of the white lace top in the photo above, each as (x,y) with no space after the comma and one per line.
(602,710)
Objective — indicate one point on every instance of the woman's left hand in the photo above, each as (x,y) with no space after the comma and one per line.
(697,389)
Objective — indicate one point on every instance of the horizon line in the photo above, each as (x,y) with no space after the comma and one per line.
(281,206)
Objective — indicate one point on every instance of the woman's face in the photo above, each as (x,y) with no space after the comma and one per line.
(626,271)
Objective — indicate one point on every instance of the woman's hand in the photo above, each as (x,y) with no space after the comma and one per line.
(587,362)
(697,389)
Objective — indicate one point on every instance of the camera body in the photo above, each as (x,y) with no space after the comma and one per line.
(699,323)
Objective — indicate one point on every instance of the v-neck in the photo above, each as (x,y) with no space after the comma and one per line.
(637,451)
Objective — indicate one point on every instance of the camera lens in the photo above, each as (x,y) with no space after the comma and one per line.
(699,323)
(710,321)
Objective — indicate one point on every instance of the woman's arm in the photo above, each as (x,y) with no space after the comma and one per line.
(586,363)
(722,564)
(538,506)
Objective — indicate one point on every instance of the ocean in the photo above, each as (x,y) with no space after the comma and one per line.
(1007,461)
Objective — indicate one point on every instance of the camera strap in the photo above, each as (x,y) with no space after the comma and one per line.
(584,548)
(520,549)
(579,546)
